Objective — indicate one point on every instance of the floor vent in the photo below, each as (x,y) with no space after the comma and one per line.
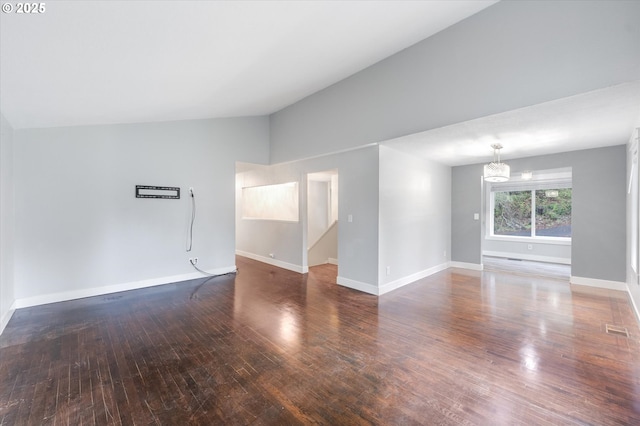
(617,330)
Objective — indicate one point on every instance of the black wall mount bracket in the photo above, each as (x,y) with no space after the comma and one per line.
(167,192)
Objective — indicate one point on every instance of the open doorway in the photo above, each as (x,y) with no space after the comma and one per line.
(322,218)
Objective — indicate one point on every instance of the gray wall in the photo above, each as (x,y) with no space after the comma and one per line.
(358,196)
(7,294)
(466,201)
(510,55)
(633,198)
(598,209)
(78,223)
(415,214)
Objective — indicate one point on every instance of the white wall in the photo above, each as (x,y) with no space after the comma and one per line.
(81,231)
(325,250)
(7,294)
(317,210)
(633,198)
(358,197)
(415,218)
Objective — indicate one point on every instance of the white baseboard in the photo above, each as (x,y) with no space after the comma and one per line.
(465,265)
(593,282)
(525,256)
(115,288)
(386,288)
(332,261)
(633,304)
(358,285)
(7,317)
(274,262)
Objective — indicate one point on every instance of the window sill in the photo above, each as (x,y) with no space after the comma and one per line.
(540,240)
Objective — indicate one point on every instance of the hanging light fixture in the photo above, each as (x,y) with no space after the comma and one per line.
(496,171)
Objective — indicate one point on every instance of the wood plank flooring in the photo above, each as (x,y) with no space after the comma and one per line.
(272,347)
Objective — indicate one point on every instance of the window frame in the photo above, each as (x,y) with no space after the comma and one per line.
(557,180)
(253,206)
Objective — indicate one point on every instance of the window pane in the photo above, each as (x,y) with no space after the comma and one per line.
(553,213)
(512,213)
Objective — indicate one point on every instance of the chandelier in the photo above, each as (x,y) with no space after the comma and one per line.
(496,171)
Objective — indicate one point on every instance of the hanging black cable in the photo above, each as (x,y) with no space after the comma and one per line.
(190,240)
(235,271)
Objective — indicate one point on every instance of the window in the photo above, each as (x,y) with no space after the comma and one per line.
(531,209)
(553,213)
(271,202)
(512,213)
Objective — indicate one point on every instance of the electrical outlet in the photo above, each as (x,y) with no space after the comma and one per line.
(271,255)
(388,270)
(529,246)
(193,260)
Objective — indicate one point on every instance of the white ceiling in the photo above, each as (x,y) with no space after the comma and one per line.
(600,118)
(103,62)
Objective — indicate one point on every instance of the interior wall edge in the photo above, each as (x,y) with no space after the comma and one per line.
(358,285)
(409,279)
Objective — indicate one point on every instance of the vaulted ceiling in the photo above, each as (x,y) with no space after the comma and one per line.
(103,62)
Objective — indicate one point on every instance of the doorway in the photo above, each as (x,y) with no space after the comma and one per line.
(322,218)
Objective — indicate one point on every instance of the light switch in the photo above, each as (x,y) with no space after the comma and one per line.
(350,218)
(476,216)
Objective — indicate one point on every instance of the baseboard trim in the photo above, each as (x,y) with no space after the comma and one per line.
(401,282)
(593,282)
(7,317)
(534,257)
(115,288)
(332,261)
(358,285)
(465,265)
(274,262)
(633,303)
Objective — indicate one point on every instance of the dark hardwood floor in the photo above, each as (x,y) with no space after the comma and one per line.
(269,346)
